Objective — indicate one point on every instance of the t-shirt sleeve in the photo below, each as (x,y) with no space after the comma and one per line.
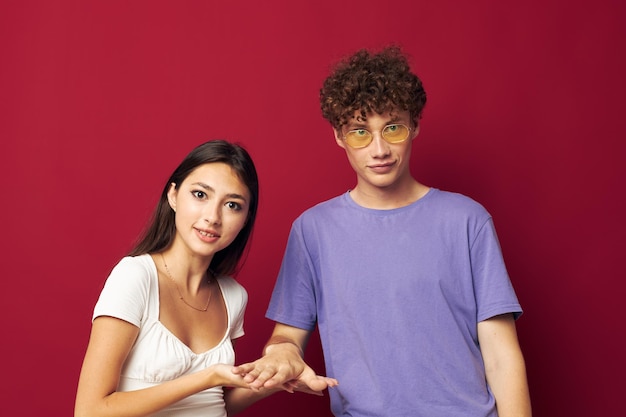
(293,297)
(494,292)
(125,292)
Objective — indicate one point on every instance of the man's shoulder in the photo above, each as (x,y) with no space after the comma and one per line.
(323,213)
(456,202)
(323,207)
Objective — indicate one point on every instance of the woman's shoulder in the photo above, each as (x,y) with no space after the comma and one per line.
(128,289)
(136,262)
(232,289)
(134,270)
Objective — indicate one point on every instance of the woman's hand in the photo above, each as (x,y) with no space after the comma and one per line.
(221,375)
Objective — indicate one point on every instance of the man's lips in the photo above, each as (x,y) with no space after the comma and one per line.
(383,167)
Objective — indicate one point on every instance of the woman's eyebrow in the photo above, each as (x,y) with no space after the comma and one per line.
(205,186)
(237,196)
(229,195)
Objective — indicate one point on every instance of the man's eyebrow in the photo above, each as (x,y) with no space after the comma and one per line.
(229,195)
(357,124)
(362,124)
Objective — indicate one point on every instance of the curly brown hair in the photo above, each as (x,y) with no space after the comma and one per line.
(372,82)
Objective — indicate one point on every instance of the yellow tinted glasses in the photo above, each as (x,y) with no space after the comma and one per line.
(392,133)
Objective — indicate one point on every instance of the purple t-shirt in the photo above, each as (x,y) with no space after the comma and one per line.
(397,295)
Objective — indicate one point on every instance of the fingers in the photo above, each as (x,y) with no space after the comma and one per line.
(273,371)
(255,373)
(259,376)
(318,383)
(221,374)
(264,374)
(270,371)
(331,382)
(290,386)
(272,377)
(243,369)
(311,385)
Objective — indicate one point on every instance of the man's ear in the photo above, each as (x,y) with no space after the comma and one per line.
(416,131)
(338,138)
(171,196)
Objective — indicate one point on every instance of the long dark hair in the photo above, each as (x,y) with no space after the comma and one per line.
(161,230)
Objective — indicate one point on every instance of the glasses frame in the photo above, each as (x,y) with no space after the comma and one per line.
(382,134)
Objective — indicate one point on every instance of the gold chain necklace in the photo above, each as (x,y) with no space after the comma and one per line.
(169,275)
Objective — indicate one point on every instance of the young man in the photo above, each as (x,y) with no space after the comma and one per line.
(406,283)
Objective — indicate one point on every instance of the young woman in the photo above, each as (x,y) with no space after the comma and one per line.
(164,326)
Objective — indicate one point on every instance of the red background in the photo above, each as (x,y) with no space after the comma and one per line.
(101,99)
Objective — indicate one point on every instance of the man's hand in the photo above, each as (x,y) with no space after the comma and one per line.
(283,366)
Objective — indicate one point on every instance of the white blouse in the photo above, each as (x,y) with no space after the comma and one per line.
(131,293)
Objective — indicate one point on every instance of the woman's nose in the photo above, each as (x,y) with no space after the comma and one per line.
(212,214)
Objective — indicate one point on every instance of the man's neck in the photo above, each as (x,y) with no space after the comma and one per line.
(387,198)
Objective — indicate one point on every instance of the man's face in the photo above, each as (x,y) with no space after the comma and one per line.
(379,165)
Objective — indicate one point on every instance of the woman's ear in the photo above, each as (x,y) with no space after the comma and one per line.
(171,196)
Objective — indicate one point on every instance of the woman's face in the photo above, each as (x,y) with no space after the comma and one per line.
(211,207)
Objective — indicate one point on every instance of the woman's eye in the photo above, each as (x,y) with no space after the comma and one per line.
(199,194)
(233,206)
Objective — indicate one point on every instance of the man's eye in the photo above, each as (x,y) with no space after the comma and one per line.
(361,132)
